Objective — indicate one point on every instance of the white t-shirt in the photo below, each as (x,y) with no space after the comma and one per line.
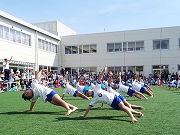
(69,89)
(122,88)
(5,65)
(101,96)
(79,87)
(39,91)
(137,86)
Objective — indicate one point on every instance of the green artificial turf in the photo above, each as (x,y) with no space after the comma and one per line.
(161,116)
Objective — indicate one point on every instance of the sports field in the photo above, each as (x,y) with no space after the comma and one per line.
(161,116)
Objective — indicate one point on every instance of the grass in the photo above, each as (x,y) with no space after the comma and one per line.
(161,116)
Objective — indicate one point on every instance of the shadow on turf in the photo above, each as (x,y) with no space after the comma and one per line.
(93,118)
(51,113)
(18,113)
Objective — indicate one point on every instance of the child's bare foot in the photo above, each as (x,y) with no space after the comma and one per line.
(133,121)
(69,112)
(74,109)
(140,115)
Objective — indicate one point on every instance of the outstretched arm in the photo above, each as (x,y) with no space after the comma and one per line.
(66,76)
(31,107)
(10,58)
(101,74)
(40,73)
(110,77)
(120,77)
(87,110)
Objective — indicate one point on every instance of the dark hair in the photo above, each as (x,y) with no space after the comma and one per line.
(25,98)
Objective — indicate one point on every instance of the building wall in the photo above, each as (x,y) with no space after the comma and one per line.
(27,53)
(145,58)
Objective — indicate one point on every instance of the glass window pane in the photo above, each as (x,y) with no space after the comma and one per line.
(6,33)
(1,31)
(56,48)
(28,40)
(118,47)
(74,49)
(92,48)
(23,36)
(156,44)
(18,37)
(85,48)
(46,45)
(43,45)
(39,43)
(164,44)
(110,47)
(80,49)
(140,46)
(49,46)
(12,35)
(131,46)
(67,49)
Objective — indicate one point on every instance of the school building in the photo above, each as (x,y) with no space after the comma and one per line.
(54,46)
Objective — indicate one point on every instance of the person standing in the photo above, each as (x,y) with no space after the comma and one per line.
(6,68)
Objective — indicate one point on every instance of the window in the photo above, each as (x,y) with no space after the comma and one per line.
(12,35)
(131,46)
(161,44)
(93,49)
(85,48)
(140,46)
(23,36)
(49,46)
(39,43)
(80,49)
(46,45)
(55,48)
(28,40)
(1,31)
(74,49)
(6,33)
(118,47)
(18,37)
(110,47)
(67,49)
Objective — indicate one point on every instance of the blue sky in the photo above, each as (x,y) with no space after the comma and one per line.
(93,16)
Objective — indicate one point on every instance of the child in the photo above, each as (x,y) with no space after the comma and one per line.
(71,90)
(101,96)
(46,94)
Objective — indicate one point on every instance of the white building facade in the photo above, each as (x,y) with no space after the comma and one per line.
(54,46)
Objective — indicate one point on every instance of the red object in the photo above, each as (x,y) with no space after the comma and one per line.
(160,83)
(57,84)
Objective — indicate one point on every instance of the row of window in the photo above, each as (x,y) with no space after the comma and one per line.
(48,46)
(79,49)
(118,47)
(14,35)
(125,46)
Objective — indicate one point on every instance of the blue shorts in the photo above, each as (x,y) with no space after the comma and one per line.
(50,95)
(75,93)
(145,85)
(115,103)
(142,89)
(130,92)
(121,97)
